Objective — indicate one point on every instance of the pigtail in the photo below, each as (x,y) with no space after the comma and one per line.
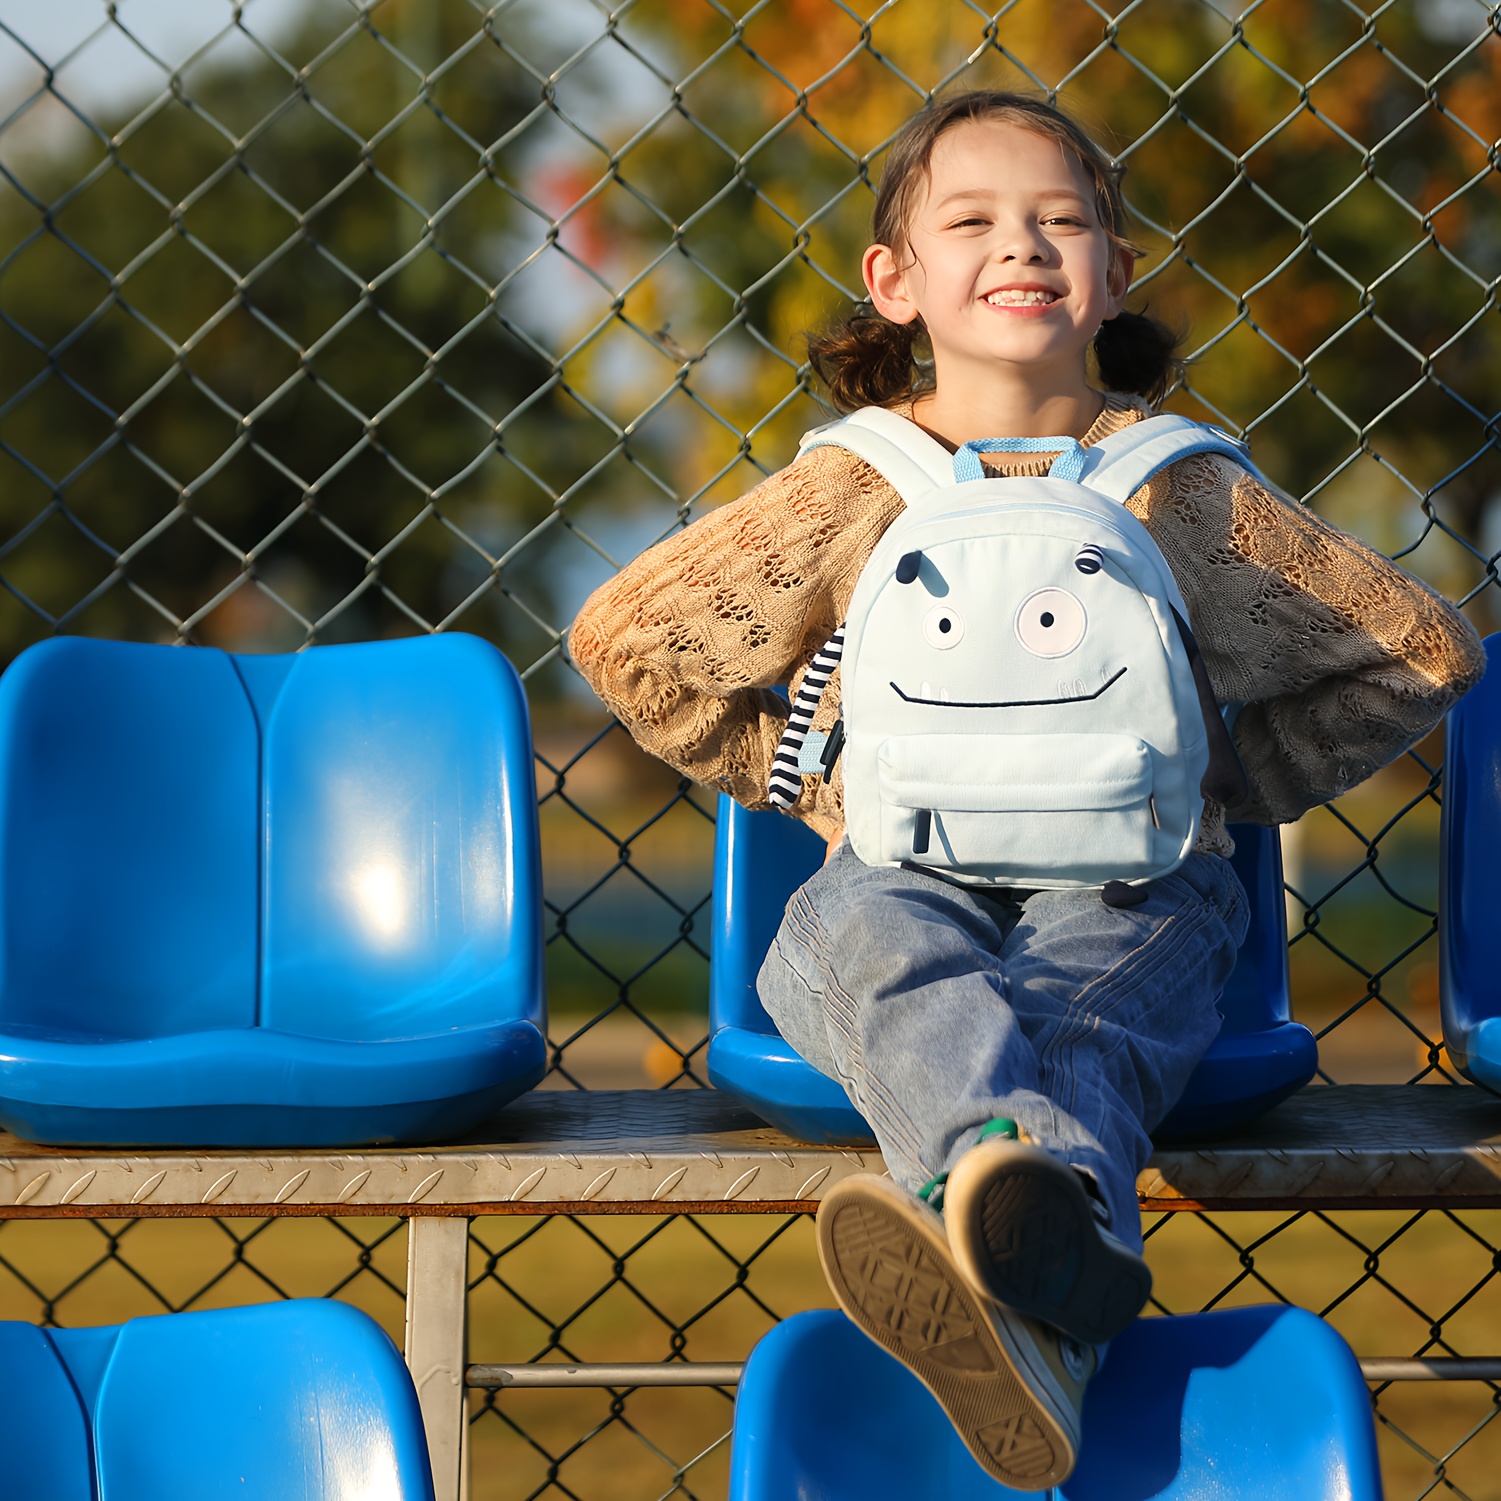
(1138,354)
(865,360)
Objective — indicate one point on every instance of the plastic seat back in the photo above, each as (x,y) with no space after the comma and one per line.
(1469,879)
(1259,1404)
(760,859)
(1261,1055)
(44,1430)
(266,901)
(403,880)
(128,842)
(299,1401)
(1263,1404)
(824,1412)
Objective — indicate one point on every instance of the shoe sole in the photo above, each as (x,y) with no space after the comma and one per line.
(892,1274)
(1023,1233)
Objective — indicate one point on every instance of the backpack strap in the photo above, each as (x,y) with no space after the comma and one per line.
(911,462)
(1119,465)
(915,464)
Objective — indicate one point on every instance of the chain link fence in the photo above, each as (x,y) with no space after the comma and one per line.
(334,321)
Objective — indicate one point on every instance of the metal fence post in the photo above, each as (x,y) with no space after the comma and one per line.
(436,1330)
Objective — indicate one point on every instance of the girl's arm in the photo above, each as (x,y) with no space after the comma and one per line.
(1342,659)
(686,643)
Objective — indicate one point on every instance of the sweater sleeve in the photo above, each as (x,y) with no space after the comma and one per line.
(1341,659)
(686,644)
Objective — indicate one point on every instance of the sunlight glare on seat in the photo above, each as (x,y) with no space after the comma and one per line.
(380,899)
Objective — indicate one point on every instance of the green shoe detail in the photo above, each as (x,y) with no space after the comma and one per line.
(931,1193)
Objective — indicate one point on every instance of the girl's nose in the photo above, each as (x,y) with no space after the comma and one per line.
(1025,243)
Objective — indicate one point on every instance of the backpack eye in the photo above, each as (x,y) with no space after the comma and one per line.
(943,627)
(1050,623)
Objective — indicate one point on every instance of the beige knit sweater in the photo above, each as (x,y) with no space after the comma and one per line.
(1341,659)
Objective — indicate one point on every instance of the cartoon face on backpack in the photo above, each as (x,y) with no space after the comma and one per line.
(981,625)
(1015,707)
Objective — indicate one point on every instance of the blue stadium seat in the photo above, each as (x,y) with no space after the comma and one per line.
(1258,1404)
(1260,1057)
(760,859)
(266,901)
(298,1401)
(1469,937)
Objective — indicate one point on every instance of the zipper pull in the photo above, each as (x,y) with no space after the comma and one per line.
(830,752)
(922,830)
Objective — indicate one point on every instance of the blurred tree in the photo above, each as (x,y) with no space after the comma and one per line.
(306,350)
(1317,190)
(259,375)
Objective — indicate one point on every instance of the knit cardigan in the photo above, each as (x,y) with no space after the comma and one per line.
(1340,658)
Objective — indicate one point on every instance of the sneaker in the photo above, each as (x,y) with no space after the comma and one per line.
(1023,1232)
(1012,1387)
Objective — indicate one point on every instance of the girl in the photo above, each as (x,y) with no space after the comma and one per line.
(1011,1049)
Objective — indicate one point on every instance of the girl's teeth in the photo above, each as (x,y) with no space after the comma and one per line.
(1020,299)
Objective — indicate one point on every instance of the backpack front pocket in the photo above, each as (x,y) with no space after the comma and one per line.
(1039,810)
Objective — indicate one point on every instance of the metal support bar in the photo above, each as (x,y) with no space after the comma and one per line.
(707,1373)
(437,1275)
(1439,1368)
(672,1373)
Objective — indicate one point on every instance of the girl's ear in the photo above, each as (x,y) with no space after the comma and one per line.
(1118,279)
(887,284)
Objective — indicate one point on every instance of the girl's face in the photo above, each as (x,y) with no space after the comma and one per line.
(1006,258)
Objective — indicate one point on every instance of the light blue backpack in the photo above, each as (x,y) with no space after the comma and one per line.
(1023,703)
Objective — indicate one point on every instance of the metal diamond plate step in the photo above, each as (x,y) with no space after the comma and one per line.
(648,1151)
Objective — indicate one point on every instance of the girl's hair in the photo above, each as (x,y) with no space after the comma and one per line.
(866,360)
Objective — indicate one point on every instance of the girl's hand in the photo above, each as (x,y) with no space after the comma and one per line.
(834,844)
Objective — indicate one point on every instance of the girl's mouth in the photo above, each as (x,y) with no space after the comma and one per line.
(1021,299)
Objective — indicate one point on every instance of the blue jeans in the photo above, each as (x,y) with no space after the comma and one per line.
(940,1007)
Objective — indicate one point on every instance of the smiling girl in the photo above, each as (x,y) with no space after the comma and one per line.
(1011,1048)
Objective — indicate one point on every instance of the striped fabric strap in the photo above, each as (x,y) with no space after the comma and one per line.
(786,780)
